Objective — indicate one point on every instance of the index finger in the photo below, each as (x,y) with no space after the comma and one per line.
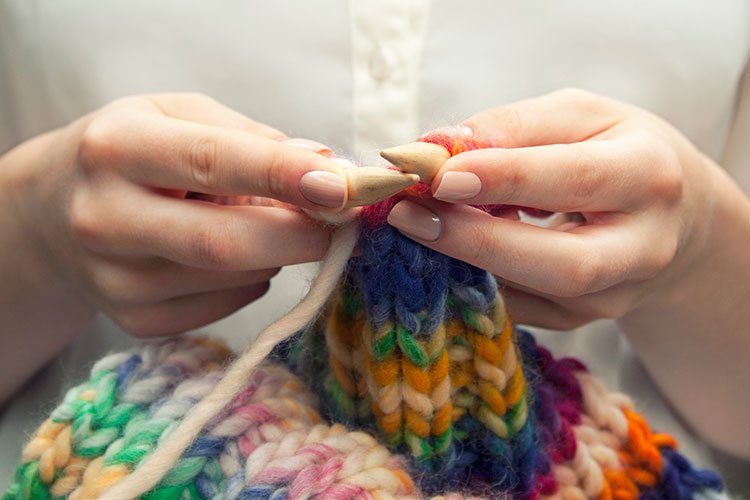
(170,153)
(561,117)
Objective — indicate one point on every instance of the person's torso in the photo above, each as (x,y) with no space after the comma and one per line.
(360,76)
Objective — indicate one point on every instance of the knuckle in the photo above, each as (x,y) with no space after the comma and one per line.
(504,123)
(583,275)
(513,180)
(586,101)
(662,256)
(83,219)
(274,174)
(117,287)
(202,159)
(588,177)
(215,246)
(99,144)
(668,183)
(511,124)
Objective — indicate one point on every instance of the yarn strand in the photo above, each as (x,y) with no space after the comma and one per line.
(152,469)
(412,347)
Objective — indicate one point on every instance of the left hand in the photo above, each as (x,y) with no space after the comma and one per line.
(644,192)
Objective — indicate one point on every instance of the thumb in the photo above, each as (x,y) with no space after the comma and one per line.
(561,117)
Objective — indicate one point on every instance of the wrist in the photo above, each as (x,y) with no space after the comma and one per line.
(692,335)
(32,238)
(41,310)
(712,225)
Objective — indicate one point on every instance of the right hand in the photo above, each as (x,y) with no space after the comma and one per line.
(103,201)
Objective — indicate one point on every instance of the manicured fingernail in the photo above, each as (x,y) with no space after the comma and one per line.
(323,188)
(458,186)
(415,220)
(309,145)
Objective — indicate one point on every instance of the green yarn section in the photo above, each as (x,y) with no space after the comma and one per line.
(28,484)
(515,418)
(442,443)
(396,340)
(351,303)
(420,448)
(394,439)
(173,493)
(140,437)
(120,415)
(470,318)
(344,408)
(104,384)
(429,451)
(411,348)
(385,345)
(184,471)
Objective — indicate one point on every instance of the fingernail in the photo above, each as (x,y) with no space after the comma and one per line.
(458,186)
(310,145)
(323,188)
(415,220)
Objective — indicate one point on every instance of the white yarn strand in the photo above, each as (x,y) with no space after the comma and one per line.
(150,471)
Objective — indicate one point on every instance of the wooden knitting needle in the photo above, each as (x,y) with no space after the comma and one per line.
(421,158)
(368,185)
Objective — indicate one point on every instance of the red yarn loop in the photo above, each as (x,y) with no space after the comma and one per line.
(455,143)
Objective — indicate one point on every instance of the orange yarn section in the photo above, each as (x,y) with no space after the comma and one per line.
(641,460)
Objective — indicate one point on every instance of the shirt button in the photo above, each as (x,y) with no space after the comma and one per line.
(382,63)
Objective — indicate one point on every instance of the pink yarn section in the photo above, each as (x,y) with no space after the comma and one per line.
(376,215)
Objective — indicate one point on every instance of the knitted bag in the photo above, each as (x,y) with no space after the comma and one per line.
(418,385)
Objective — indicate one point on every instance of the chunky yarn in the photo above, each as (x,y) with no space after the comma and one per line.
(416,385)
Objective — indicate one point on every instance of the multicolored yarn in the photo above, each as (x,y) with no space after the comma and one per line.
(420,386)
(418,349)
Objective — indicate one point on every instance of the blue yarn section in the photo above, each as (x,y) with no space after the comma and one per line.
(128,369)
(205,487)
(206,446)
(680,480)
(403,281)
(264,493)
(400,279)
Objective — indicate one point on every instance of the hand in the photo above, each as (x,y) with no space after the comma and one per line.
(645,197)
(103,203)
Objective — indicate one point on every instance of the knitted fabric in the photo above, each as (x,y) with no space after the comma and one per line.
(419,386)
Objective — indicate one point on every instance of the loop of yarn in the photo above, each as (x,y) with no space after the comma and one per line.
(416,385)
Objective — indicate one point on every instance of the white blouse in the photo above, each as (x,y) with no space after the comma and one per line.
(360,75)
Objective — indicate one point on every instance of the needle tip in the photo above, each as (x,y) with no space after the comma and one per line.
(421,158)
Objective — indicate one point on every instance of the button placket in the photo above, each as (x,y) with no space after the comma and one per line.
(386,47)
(383,62)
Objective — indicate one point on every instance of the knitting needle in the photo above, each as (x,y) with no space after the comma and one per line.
(365,186)
(368,185)
(421,158)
